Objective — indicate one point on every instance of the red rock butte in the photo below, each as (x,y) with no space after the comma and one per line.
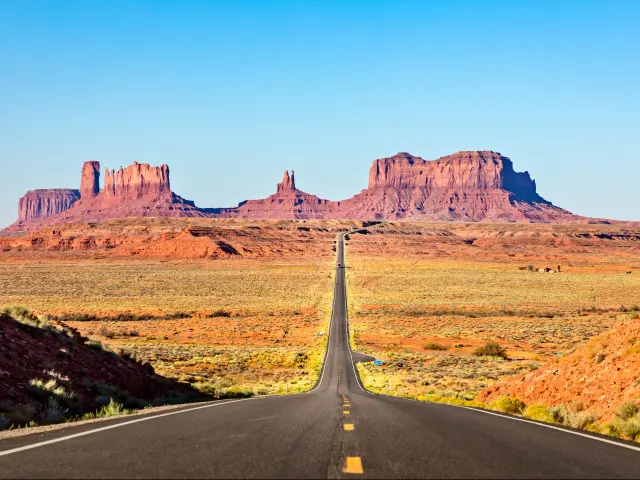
(466,186)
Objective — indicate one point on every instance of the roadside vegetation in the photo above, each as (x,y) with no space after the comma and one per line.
(224,328)
(52,374)
(450,311)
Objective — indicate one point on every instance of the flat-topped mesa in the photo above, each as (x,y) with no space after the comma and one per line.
(475,170)
(288,183)
(137,181)
(90,180)
(45,203)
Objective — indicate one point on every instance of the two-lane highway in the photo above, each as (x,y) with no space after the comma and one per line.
(337,430)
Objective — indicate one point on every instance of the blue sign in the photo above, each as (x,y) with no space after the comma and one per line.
(377,363)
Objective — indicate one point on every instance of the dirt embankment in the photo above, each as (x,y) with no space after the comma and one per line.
(49,373)
(602,375)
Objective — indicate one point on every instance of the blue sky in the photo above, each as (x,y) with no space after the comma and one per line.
(230,94)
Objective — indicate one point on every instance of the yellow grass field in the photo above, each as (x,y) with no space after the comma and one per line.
(239,325)
(423,297)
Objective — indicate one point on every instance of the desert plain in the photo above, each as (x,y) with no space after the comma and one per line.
(240,307)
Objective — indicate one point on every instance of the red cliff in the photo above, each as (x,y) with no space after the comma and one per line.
(287,203)
(45,203)
(137,190)
(90,180)
(466,186)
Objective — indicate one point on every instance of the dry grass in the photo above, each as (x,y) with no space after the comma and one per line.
(240,325)
(459,286)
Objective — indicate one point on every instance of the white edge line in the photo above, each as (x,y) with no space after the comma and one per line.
(152,417)
(109,427)
(547,425)
(480,410)
(326,352)
(346,329)
(517,419)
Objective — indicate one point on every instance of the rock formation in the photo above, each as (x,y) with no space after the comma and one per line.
(90,181)
(288,183)
(466,186)
(137,190)
(469,186)
(463,171)
(601,374)
(287,203)
(45,203)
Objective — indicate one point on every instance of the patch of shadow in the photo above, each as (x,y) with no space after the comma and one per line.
(227,248)
(361,357)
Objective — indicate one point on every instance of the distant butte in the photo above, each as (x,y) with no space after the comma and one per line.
(466,186)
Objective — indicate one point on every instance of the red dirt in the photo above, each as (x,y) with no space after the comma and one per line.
(30,352)
(601,375)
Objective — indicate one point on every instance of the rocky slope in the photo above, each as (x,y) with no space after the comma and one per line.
(49,372)
(287,203)
(470,186)
(45,203)
(466,186)
(139,190)
(601,375)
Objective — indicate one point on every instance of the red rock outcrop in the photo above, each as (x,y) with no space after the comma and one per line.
(137,190)
(288,183)
(468,186)
(467,171)
(601,375)
(90,181)
(465,186)
(38,204)
(287,203)
(137,181)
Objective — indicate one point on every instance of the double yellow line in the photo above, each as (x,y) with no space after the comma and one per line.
(352,464)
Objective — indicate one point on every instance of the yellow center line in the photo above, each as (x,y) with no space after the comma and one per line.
(349,426)
(345,412)
(353,465)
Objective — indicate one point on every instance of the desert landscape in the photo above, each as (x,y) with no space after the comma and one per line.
(319,239)
(236,302)
(456,311)
(231,307)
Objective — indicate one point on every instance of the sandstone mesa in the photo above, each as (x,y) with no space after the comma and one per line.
(466,186)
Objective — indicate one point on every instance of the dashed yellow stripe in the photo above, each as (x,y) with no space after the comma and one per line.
(346,412)
(353,465)
(349,426)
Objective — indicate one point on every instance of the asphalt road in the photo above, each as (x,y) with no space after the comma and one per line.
(335,431)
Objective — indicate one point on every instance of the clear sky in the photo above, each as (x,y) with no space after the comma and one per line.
(230,94)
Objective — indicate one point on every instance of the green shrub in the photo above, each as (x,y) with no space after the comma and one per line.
(112,409)
(52,412)
(559,413)
(628,428)
(573,415)
(490,349)
(628,410)
(5,421)
(540,412)
(510,405)
(435,346)
(580,420)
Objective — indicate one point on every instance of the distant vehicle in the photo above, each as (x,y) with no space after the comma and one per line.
(338,265)
(377,363)
(320,333)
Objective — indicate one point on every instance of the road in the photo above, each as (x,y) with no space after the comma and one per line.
(335,431)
